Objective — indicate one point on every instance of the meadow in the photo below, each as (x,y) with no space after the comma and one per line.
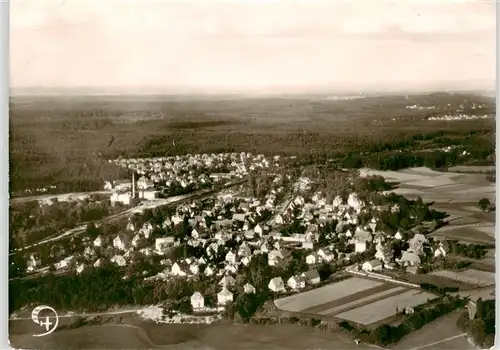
(471,276)
(65,141)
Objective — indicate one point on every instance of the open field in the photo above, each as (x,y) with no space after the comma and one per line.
(467,233)
(472,168)
(471,276)
(326,294)
(140,334)
(437,186)
(436,280)
(386,308)
(356,299)
(88,337)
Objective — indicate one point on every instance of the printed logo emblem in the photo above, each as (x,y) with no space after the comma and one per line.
(48,319)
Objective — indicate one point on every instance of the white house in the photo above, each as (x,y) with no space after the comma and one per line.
(121,197)
(33,263)
(326,254)
(372,265)
(277,285)
(246,260)
(149,194)
(258,230)
(360,246)
(273,257)
(120,242)
(278,220)
(118,260)
(176,270)
(398,236)
(296,282)
(63,264)
(208,271)
(224,297)
(98,242)
(197,301)
(441,250)
(194,268)
(144,183)
(80,268)
(231,257)
(163,243)
(244,250)
(248,289)
(311,259)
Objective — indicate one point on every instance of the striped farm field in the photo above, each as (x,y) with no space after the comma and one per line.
(385,308)
(470,276)
(323,296)
(358,302)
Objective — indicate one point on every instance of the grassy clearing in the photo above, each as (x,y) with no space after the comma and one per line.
(470,276)
(323,295)
(385,308)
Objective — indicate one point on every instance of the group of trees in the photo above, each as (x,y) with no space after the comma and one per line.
(475,251)
(31,222)
(485,205)
(481,327)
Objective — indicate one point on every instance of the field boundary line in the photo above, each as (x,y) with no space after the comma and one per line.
(439,341)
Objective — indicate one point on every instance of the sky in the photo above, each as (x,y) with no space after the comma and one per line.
(251,45)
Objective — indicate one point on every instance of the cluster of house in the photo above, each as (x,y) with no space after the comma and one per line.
(460,116)
(183,171)
(240,226)
(420,107)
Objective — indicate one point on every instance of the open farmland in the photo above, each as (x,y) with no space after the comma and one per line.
(386,308)
(137,333)
(471,276)
(468,233)
(356,299)
(440,187)
(326,294)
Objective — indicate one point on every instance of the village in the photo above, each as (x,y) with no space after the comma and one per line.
(290,226)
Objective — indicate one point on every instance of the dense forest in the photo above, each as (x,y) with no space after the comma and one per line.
(86,132)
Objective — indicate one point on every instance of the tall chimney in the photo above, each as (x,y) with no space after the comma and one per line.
(133,184)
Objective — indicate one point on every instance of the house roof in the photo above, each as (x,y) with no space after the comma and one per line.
(196,295)
(311,274)
(225,292)
(374,262)
(276,281)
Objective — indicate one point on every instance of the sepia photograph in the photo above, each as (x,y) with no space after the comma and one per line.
(264,174)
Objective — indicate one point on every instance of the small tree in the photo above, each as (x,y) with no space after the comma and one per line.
(484,204)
